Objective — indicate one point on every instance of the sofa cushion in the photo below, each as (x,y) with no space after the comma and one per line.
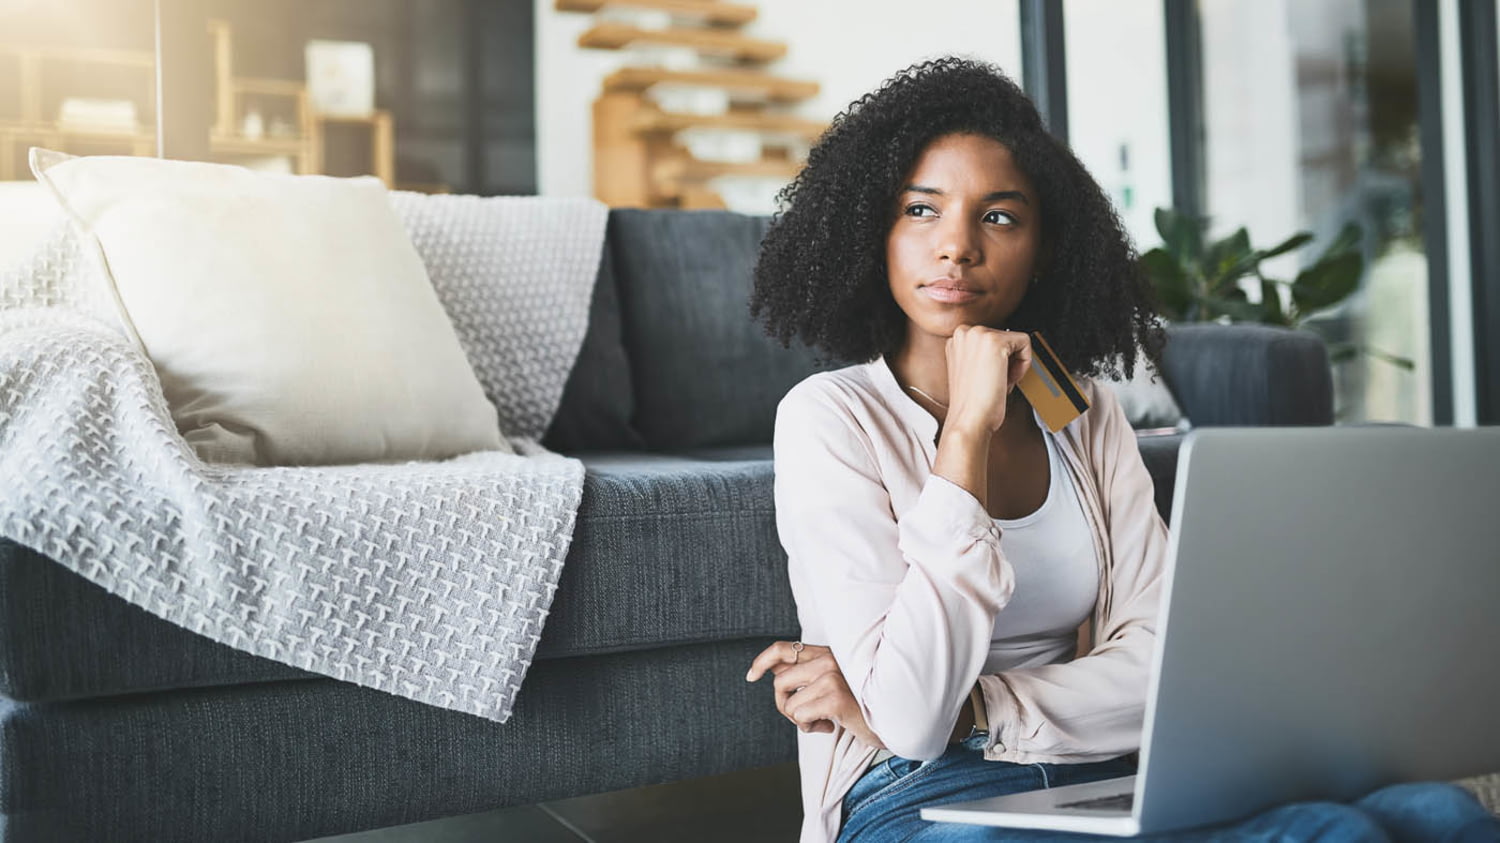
(705,373)
(671,550)
(666,550)
(599,398)
(290,317)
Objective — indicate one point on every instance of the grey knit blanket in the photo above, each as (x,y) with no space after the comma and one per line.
(426,580)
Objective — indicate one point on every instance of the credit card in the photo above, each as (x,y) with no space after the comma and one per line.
(1050,388)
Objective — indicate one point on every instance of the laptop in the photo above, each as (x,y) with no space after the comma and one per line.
(1331,624)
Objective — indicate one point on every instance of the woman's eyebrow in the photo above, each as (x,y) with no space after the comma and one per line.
(995,196)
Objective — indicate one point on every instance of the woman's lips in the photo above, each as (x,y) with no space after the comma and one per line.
(949,295)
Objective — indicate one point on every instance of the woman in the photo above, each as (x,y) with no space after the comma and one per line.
(987,591)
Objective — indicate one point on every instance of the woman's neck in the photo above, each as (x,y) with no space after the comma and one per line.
(923,376)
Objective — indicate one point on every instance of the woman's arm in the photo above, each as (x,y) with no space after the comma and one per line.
(908,608)
(1094,706)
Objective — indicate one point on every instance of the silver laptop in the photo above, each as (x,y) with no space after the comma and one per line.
(1331,624)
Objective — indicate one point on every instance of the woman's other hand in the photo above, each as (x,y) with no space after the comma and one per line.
(984,365)
(810,689)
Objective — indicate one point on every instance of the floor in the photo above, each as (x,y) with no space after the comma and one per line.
(752,806)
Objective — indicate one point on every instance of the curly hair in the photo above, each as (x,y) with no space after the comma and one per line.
(1093,302)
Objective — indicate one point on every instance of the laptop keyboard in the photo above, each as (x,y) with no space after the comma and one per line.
(1122,802)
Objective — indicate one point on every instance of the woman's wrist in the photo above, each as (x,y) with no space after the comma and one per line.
(963,459)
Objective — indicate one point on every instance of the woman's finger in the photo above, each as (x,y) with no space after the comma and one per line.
(781,652)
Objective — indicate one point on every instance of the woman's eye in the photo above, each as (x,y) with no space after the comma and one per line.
(1000,218)
(920,210)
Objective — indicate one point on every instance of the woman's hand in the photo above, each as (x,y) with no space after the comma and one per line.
(810,689)
(984,365)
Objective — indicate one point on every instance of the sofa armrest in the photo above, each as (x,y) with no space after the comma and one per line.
(1248,375)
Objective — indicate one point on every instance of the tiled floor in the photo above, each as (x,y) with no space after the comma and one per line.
(752,806)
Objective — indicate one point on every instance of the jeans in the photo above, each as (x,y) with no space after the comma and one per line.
(883,806)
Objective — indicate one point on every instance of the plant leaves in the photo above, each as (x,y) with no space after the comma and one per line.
(1270,303)
(1342,352)
(1173,292)
(1181,234)
(1296,241)
(1327,282)
(1237,309)
(1227,260)
(1394,360)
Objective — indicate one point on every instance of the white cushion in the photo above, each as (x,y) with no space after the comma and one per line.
(289,317)
(1147,402)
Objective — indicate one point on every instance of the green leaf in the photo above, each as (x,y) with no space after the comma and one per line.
(1270,303)
(1394,360)
(1296,241)
(1342,352)
(1237,309)
(1327,282)
(1227,260)
(1181,234)
(1173,291)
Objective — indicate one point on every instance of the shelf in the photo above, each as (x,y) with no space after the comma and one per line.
(674,176)
(263,146)
(667,121)
(728,14)
(772,87)
(614,36)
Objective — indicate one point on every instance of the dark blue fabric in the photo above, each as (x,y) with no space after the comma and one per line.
(598,400)
(671,550)
(295,760)
(666,550)
(884,806)
(705,374)
(1248,375)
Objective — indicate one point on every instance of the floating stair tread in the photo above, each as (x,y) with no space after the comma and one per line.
(672,174)
(669,121)
(731,14)
(614,36)
(773,87)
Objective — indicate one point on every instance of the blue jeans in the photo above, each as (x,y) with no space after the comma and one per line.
(883,806)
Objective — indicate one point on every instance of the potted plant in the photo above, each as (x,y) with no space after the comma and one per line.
(1198,280)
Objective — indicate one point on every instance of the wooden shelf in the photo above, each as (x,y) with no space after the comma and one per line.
(675,176)
(727,14)
(290,147)
(667,121)
(614,36)
(775,88)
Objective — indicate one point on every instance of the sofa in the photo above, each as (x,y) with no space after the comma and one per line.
(122,726)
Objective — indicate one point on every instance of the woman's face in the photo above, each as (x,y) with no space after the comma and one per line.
(964,245)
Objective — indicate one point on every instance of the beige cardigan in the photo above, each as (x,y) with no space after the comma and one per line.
(900,572)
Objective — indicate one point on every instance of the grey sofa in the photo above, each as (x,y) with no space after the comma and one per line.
(118,725)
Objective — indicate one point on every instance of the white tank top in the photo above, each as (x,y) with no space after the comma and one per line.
(1057,577)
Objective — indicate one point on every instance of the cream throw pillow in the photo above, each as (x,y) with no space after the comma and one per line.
(289,317)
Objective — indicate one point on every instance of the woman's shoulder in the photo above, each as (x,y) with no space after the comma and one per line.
(832,390)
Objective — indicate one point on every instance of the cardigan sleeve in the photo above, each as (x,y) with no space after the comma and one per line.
(1094,707)
(907,606)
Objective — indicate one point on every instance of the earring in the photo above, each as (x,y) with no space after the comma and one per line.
(1035,279)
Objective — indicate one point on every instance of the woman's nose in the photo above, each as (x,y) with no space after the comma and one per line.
(959,243)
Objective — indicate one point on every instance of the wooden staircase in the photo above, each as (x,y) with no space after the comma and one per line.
(639,158)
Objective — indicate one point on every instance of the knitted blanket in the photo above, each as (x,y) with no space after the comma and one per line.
(426,580)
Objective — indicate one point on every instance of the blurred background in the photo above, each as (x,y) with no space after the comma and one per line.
(1271,116)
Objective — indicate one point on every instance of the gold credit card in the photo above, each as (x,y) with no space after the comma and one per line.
(1050,388)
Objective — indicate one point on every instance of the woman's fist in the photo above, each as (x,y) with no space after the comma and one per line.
(984,365)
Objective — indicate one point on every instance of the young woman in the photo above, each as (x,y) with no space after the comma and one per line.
(982,593)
